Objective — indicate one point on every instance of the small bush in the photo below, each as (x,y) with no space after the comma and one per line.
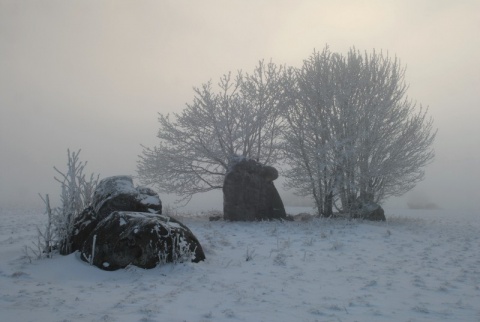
(76,194)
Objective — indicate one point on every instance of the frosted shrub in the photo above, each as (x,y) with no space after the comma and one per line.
(76,195)
(45,238)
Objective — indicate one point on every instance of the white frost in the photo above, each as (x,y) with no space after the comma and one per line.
(151,200)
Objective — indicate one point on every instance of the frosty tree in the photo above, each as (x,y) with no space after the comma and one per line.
(240,118)
(308,136)
(352,133)
(342,124)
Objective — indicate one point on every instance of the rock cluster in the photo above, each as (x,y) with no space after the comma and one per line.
(124,226)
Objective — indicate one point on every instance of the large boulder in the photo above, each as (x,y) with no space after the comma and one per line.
(141,239)
(124,226)
(368,210)
(249,193)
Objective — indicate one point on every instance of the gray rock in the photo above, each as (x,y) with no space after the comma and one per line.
(124,226)
(368,210)
(141,239)
(119,193)
(83,225)
(249,193)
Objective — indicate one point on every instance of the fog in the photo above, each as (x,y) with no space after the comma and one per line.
(93,75)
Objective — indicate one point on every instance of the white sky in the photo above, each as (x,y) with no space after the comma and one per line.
(94,74)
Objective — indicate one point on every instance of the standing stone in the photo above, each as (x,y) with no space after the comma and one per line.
(249,193)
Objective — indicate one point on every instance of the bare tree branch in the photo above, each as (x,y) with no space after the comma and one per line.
(242,118)
(350,118)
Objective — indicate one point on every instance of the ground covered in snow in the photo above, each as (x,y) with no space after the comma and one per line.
(417,266)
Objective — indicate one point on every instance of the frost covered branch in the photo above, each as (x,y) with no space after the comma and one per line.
(352,133)
(243,117)
(76,194)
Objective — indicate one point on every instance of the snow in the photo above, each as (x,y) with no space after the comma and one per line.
(416,266)
(116,185)
(150,200)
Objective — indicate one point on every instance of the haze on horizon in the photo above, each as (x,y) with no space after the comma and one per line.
(93,75)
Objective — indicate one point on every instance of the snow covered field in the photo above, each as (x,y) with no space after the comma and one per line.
(417,266)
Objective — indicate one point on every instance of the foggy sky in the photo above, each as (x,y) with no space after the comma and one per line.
(94,74)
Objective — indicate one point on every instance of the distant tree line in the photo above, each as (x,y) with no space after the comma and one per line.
(341,126)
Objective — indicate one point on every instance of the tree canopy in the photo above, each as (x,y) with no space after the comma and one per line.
(239,118)
(341,126)
(352,132)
